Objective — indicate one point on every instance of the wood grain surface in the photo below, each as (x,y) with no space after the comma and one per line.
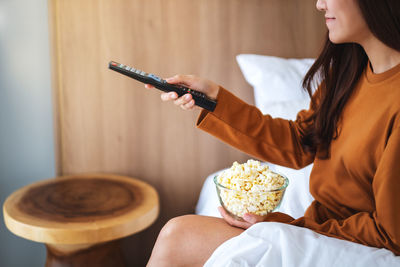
(109,123)
(80,200)
(81,209)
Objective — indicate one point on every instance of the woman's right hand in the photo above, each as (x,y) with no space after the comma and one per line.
(186,101)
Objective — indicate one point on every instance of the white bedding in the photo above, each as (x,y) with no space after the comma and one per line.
(276,244)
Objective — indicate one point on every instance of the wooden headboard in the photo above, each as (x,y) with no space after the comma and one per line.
(108,123)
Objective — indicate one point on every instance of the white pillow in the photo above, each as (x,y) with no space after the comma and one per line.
(279,93)
(277,83)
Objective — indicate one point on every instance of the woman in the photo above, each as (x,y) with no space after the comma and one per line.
(351,132)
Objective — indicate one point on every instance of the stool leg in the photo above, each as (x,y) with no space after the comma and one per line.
(102,255)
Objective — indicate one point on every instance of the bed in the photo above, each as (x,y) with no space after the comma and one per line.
(277,244)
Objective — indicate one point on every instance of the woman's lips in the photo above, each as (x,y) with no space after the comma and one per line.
(329,20)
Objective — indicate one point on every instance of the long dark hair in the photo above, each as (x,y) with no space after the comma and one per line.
(339,67)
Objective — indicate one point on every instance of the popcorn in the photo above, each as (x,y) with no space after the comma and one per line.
(253,187)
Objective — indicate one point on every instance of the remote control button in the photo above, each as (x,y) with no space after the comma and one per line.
(154,77)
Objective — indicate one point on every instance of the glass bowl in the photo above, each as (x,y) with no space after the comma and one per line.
(236,202)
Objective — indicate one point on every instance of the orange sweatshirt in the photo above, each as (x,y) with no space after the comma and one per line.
(357,189)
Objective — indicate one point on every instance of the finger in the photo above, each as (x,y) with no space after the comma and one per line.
(185,80)
(231,221)
(148,86)
(177,79)
(253,218)
(183,100)
(189,105)
(169,96)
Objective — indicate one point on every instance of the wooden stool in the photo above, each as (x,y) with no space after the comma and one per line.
(78,216)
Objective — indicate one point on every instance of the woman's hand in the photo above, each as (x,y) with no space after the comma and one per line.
(186,101)
(248,219)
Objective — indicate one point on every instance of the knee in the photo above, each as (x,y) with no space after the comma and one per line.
(168,248)
(176,228)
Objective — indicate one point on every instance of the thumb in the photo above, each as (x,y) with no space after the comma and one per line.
(177,79)
(186,80)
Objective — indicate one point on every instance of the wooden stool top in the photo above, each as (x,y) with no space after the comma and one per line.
(81,209)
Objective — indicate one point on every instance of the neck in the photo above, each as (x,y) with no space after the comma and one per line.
(381,56)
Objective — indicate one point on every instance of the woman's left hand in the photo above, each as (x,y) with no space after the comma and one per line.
(248,219)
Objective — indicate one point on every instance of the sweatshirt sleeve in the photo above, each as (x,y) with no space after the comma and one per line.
(381,228)
(244,127)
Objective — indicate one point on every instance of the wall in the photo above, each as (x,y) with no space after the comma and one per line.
(26,120)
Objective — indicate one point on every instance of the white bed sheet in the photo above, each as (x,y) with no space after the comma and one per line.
(276,244)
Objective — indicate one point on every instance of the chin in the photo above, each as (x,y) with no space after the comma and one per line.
(337,39)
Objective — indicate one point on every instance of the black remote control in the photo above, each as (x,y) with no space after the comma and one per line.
(200,99)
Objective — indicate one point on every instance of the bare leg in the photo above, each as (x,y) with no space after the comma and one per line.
(190,240)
